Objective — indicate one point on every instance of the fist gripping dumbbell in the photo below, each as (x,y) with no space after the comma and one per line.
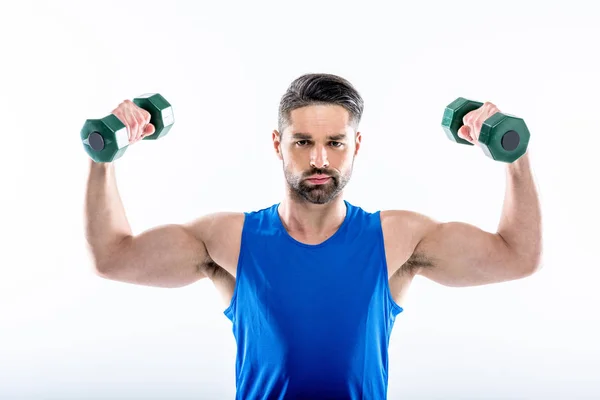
(106,139)
(503,137)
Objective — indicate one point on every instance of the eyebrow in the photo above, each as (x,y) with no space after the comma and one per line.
(306,136)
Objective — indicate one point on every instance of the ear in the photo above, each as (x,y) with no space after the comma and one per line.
(277,143)
(358,140)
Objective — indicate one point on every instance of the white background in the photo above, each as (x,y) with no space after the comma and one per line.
(67,334)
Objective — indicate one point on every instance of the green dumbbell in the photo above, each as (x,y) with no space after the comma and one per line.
(503,137)
(106,139)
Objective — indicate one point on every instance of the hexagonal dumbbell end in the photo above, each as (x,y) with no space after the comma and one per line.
(161,113)
(104,139)
(453,118)
(503,137)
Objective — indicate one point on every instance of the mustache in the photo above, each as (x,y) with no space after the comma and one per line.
(318,171)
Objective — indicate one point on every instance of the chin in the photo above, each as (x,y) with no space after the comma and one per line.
(322,198)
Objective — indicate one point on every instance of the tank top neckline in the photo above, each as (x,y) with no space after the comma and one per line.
(277,219)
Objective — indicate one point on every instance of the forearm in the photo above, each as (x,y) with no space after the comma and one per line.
(520,224)
(106,224)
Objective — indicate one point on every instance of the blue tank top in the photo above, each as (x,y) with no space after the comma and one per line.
(312,321)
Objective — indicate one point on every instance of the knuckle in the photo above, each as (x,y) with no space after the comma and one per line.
(491,107)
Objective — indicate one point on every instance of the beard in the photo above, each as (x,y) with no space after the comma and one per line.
(317,193)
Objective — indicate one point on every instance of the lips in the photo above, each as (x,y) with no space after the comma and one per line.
(318,179)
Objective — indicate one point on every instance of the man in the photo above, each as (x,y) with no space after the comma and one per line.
(314,283)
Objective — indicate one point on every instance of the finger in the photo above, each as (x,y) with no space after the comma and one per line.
(141,122)
(120,114)
(471,117)
(486,111)
(490,106)
(468,118)
(465,133)
(476,120)
(131,124)
(480,116)
(147,127)
(492,109)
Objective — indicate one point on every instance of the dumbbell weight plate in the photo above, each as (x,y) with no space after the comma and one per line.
(504,137)
(161,113)
(453,118)
(104,139)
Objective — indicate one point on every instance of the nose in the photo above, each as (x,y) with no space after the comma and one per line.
(318,158)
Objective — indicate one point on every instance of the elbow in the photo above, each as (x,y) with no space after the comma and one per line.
(528,266)
(104,269)
(98,265)
(535,260)
(107,261)
(524,261)
(530,269)
(108,266)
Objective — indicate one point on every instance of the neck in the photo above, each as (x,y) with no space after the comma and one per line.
(307,219)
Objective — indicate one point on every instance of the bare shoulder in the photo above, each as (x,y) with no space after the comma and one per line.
(403,230)
(221,234)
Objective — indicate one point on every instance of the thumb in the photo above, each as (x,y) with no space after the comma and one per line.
(148,130)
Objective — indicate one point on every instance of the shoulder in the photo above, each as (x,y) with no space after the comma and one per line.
(216,224)
(398,223)
(406,221)
(227,226)
(220,234)
(403,231)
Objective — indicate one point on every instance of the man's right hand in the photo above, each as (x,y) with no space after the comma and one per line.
(135,119)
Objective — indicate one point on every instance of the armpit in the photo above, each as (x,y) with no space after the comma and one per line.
(213,270)
(223,281)
(415,262)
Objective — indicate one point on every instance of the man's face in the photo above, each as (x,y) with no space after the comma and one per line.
(317,150)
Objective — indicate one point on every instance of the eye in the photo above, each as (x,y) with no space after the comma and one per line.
(336,144)
(302,142)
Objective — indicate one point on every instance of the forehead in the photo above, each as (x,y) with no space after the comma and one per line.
(320,119)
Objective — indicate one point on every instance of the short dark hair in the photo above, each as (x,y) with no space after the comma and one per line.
(319,89)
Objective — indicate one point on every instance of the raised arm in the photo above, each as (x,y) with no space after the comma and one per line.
(166,256)
(460,254)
